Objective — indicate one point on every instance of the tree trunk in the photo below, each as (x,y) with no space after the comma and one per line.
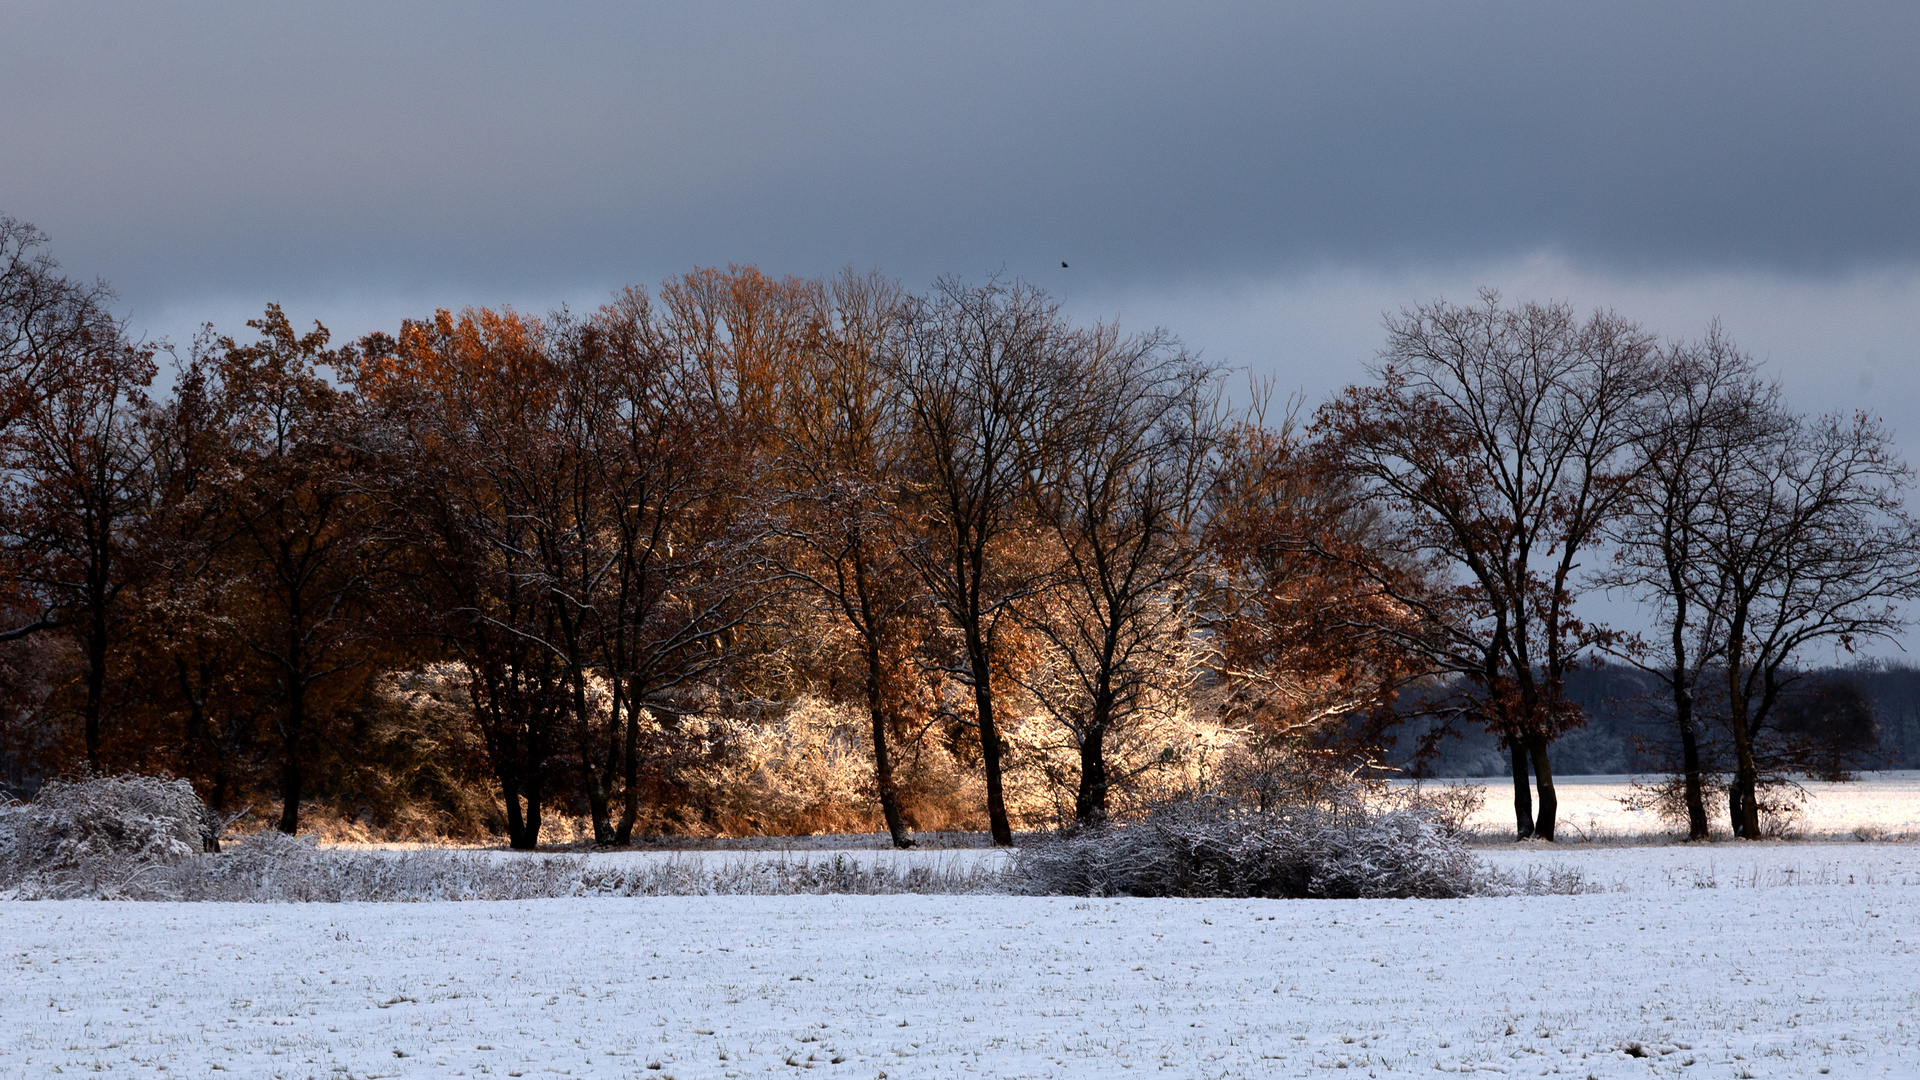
(1690,766)
(996,792)
(1522,795)
(510,794)
(630,776)
(96,682)
(989,741)
(598,801)
(1744,802)
(882,756)
(1090,802)
(1543,780)
(530,836)
(523,829)
(290,775)
(1742,806)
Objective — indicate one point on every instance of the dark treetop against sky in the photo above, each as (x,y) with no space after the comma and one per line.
(1264,179)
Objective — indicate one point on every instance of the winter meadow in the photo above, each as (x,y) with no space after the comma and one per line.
(1222,540)
(759,673)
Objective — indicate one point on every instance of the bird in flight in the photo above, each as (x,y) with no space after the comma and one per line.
(1063,266)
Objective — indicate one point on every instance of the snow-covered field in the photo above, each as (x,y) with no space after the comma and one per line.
(1880,805)
(1722,961)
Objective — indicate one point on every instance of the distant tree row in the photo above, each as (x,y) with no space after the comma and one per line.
(612,545)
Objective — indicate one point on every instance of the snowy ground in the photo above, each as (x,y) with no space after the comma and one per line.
(1722,961)
(1880,805)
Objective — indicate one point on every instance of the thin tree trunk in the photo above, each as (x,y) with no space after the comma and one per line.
(1742,806)
(1543,780)
(222,783)
(882,756)
(1690,766)
(1522,795)
(598,802)
(989,741)
(198,734)
(1744,794)
(531,822)
(630,775)
(290,740)
(1683,706)
(96,682)
(868,623)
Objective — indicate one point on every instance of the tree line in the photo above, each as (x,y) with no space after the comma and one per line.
(618,539)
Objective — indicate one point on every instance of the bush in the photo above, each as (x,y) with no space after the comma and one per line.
(99,837)
(1452,806)
(1213,846)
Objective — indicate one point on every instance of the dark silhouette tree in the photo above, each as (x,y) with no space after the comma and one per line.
(1708,406)
(303,535)
(1499,439)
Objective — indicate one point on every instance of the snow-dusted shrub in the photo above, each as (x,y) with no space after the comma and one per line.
(1783,802)
(1451,806)
(99,837)
(1220,847)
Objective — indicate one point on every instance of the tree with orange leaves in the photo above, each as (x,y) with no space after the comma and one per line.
(302,534)
(565,487)
(465,405)
(1301,600)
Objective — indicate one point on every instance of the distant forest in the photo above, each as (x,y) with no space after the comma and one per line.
(1868,716)
(740,553)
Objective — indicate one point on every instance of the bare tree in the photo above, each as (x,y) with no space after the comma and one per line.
(1709,410)
(1499,438)
(1131,468)
(842,436)
(1804,539)
(685,575)
(984,370)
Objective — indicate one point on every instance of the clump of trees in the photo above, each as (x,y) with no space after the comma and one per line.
(747,553)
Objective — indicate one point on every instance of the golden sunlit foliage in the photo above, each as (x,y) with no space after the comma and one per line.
(747,553)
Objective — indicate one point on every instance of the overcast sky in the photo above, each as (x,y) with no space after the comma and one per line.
(1265,180)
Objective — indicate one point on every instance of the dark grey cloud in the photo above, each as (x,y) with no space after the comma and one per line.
(1263,179)
(500,150)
